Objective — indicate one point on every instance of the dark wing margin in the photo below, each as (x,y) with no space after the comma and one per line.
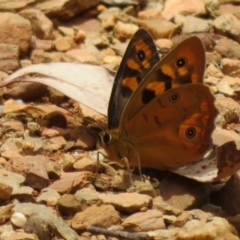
(140,57)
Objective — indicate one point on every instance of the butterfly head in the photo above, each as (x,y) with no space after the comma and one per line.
(111,145)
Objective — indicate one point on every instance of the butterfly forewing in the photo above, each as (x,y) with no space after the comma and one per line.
(140,57)
(183,65)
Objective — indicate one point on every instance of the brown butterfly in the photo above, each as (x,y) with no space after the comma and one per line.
(160,113)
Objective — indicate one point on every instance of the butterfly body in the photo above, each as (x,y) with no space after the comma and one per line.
(167,118)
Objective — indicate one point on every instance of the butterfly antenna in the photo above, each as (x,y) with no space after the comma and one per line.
(128,169)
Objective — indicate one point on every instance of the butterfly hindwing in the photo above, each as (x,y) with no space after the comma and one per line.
(140,57)
(180,120)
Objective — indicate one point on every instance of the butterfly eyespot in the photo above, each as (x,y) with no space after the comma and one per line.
(141,55)
(106,138)
(174,97)
(190,132)
(181,62)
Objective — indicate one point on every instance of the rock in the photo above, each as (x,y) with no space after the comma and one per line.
(12,126)
(123,31)
(11,179)
(212,5)
(216,228)
(48,215)
(183,193)
(22,164)
(234,82)
(48,195)
(80,36)
(41,25)
(21,236)
(227,197)
(164,44)
(5,213)
(167,30)
(87,196)
(26,91)
(149,14)
(102,182)
(114,61)
(6,231)
(213,57)
(34,129)
(86,164)
(212,81)
(65,9)
(144,221)
(37,177)
(229,109)
(55,119)
(159,204)
(35,224)
(9,56)
(140,186)
(66,31)
(18,219)
(228,25)
(23,194)
(63,44)
(71,181)
(68,162)
(53,170)
(103,216)
(55,143)
(230,67)
(228,48)
(68,204)
(228,8)
(213,71)
(16,30)
(46,45)
(126,202)
(193,24)
(82,55)
(49,133)
(25,63)
(39,56)
(88,25)
(108,13)
(169,220)
(224,88)
(98,39)
(183,7)
(15,5)
(108,18)
(163,233)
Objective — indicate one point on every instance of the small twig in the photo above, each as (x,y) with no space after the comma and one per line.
(119,234)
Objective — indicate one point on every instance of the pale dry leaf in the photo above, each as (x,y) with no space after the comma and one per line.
(89,84)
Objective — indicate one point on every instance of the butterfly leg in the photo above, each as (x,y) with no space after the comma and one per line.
(139,167)
(128,168)
(98,164)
